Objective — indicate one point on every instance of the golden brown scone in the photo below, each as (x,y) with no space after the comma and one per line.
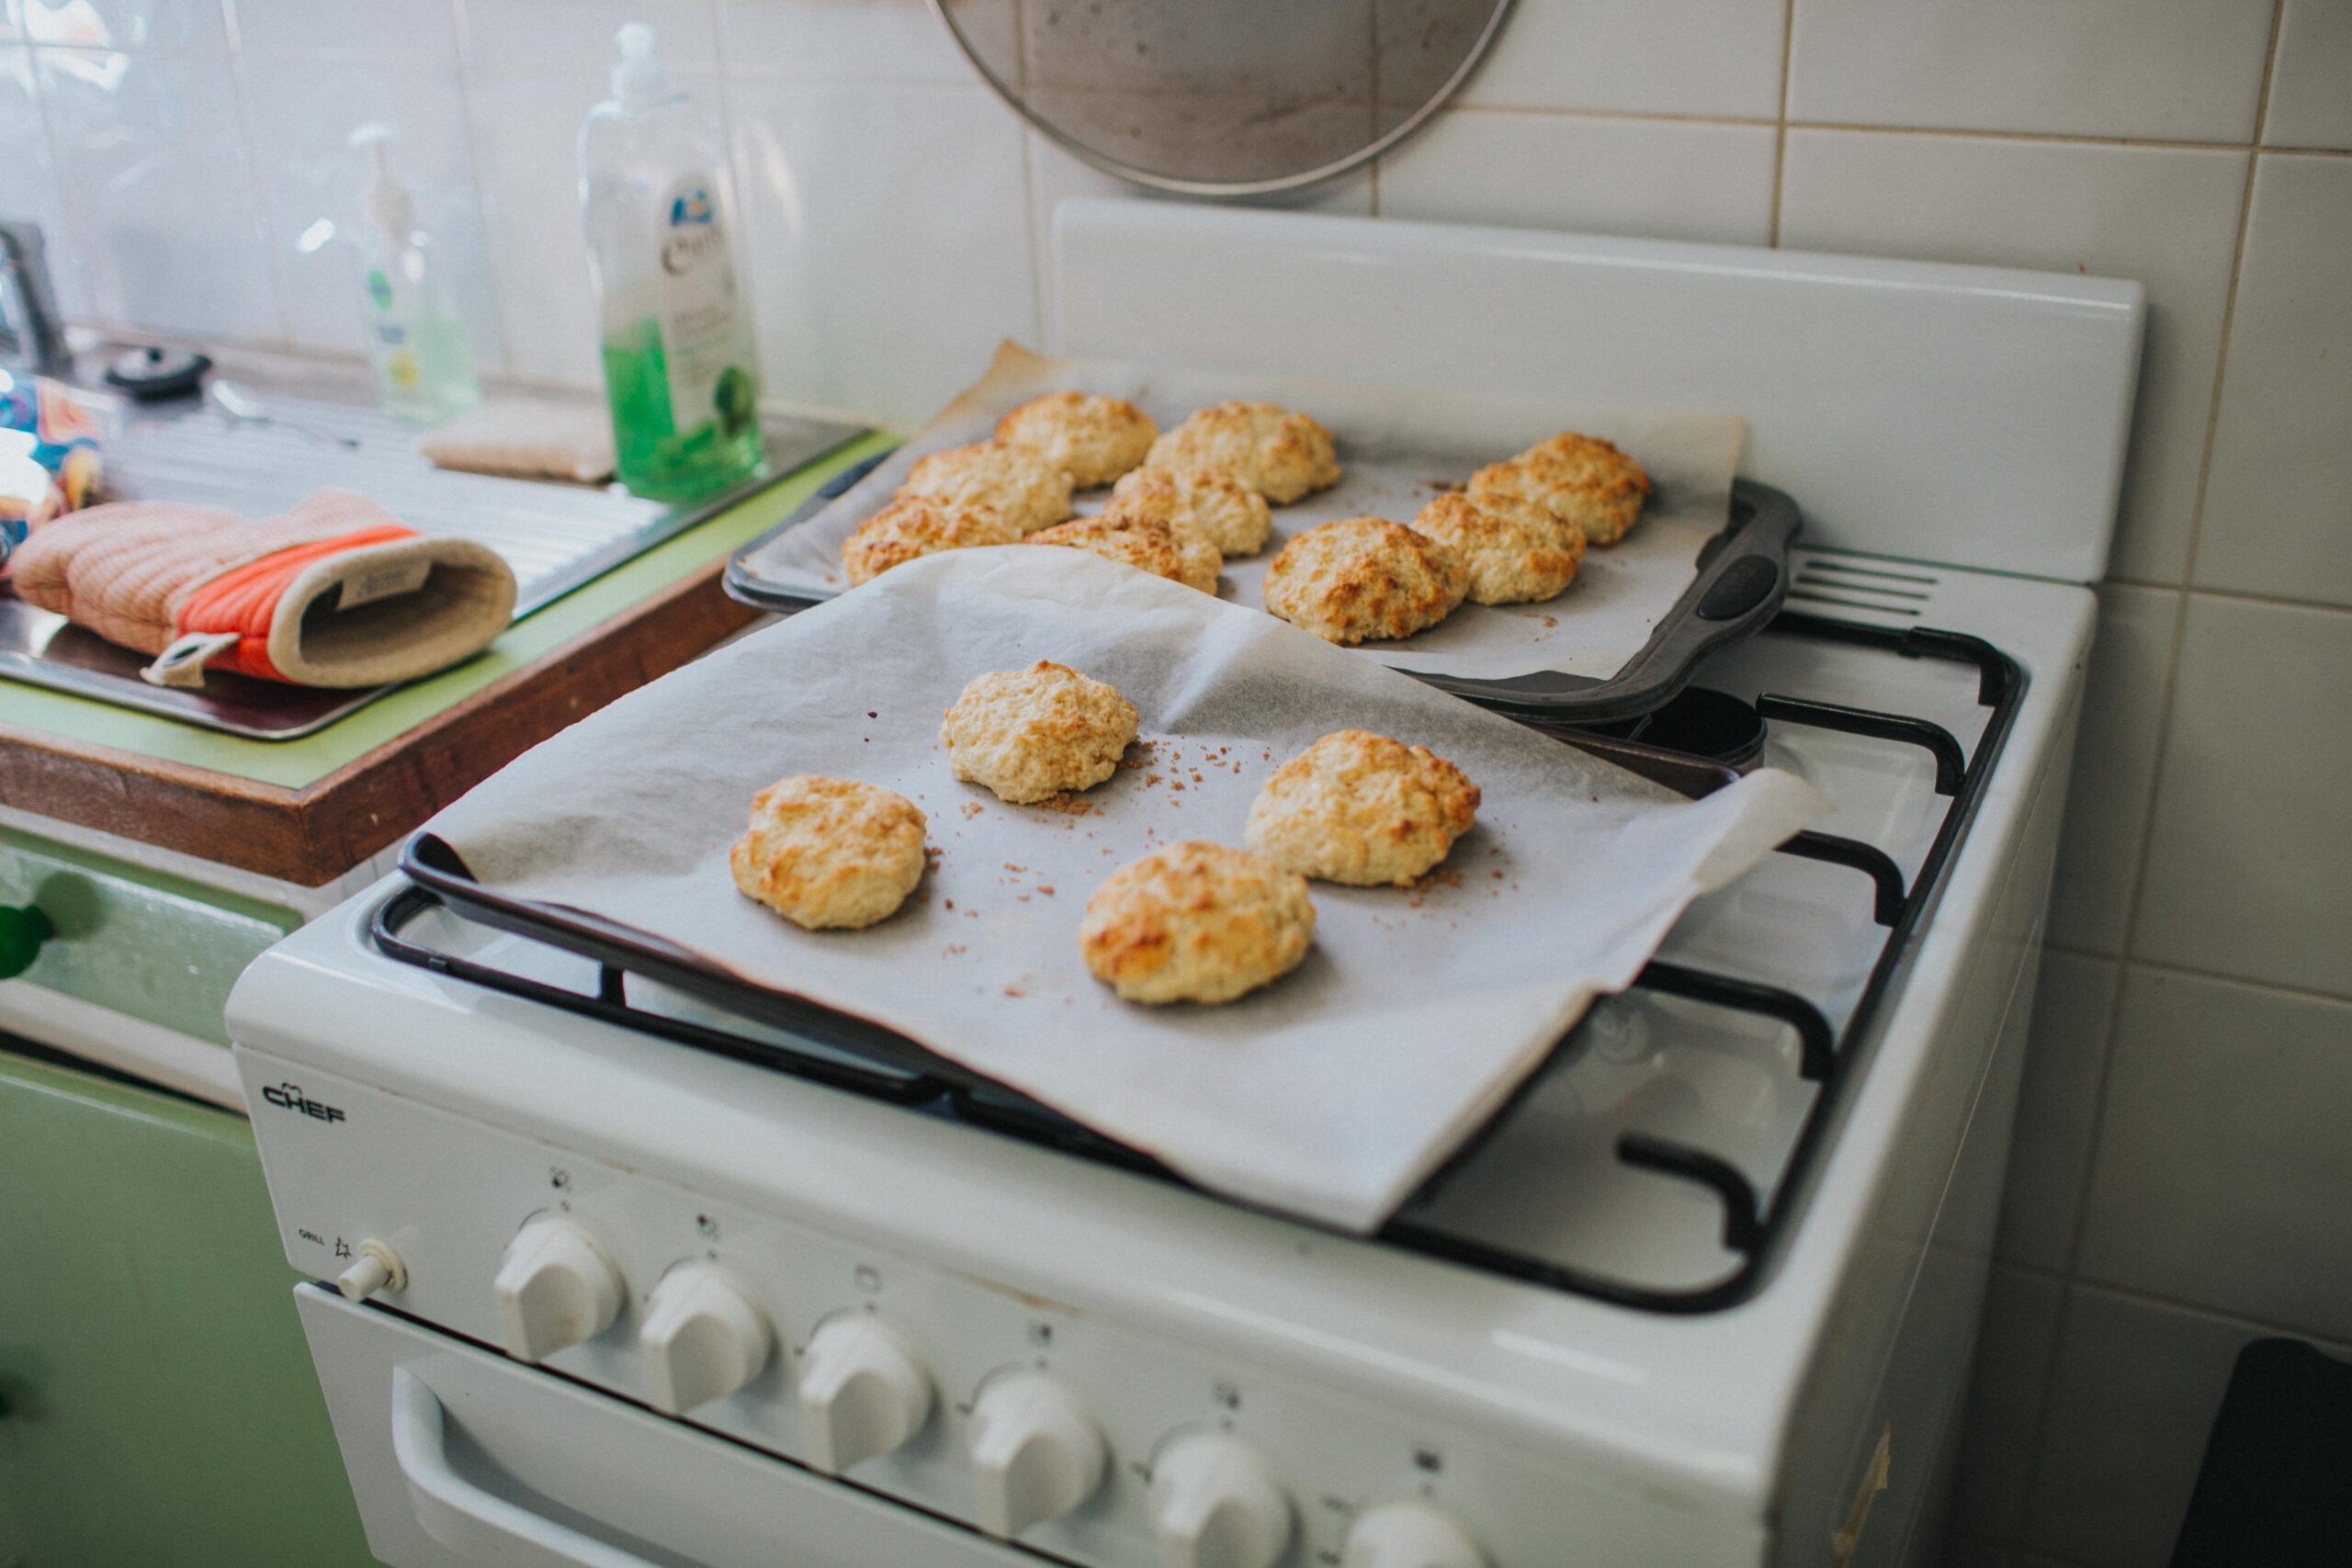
(1172,550)
(1217,501)
(1363,809)
(1031,734)
(919,527)
(1026,491)
(1578,479)
(1093,439)
(1362,578)
(829,852)
(1283,455)
(1513,552)
(1196,922)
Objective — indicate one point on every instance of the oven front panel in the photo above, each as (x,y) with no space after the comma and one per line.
(447,1193)
(459,1456)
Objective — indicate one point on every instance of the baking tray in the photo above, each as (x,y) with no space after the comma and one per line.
(428,862)
(555,536)
(1724,582)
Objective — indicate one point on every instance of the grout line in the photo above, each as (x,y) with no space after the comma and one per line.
(485,204)
(1781,122)
(2235,595)
(2170,688)
(2236,1319)
(1646,116)
(1041,239)
(264,208)
(1964,133)
(2216,977)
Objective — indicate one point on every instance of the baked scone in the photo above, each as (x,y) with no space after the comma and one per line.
(1031,734)
(829,852)
(918,525)
(1580,478)
(1028,492)
(1363,809)
(1513,552)
(1173,550)
(1217,501)
(1280,454)
(1196,922)
(1093,439)
(1362,578)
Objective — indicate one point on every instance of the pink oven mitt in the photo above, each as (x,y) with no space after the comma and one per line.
(334,593)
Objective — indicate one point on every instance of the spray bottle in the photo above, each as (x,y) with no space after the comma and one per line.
(416,344)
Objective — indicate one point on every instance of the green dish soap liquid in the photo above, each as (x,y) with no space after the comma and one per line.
(680,368)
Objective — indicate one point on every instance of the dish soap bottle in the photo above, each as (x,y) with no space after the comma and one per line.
(681,371)
(416,344)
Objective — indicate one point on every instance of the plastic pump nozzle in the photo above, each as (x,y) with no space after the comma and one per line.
(388,205)
(640,77)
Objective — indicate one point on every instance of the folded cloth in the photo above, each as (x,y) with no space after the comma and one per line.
(526,439)
(334,593)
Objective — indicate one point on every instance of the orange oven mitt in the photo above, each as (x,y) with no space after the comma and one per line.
(334,593)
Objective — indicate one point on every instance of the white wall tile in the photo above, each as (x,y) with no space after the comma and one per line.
(1994,1473)
(2167,69)
(1669,179)
(2311,85)
(2138,1384)
(565,37)
(888,238)
(302,111)
(349,29)
(2115,767)
(870,40)
(2224,1177)
(1718,58)
(196,27)
(28,181)
(158,198)
(527,124)
(1056,175)
(2276,517)
(2167,217)
(2050,1150)
(2250,847)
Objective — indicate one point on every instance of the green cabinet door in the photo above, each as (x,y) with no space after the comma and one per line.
(156,1400)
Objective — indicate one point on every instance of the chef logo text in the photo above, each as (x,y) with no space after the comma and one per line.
(291,1098)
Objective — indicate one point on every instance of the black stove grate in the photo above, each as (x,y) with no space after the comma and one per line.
(865,1059)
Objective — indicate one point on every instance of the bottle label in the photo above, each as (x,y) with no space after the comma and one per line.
(708,352)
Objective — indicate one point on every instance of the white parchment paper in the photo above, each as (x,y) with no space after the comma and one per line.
(1328,1094)
(1399,448)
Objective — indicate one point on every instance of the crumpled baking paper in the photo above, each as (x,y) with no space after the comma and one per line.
(1329,1094)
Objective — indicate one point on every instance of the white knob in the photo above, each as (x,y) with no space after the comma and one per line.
(554,1288)
(1216,1505)
(863,1393)
(1408,1535)
(703,1338)
(373,1268)
(1034,1453)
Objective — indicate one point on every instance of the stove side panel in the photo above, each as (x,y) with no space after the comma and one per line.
(1892,1371)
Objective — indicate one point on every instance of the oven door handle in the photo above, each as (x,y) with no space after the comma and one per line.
(467,1520)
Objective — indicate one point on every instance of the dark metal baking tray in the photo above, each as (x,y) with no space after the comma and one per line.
(1743,575)
(556,535)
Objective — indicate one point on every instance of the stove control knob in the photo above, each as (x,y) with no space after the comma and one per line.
(1408,1535)
(554,1288)
(863,1393)
(376,1267)
(703,1337)
(1216,1505)
(1036,1454)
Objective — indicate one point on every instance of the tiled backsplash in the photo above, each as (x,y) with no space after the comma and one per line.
(2182,1166)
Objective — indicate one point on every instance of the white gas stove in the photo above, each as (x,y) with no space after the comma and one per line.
(642,1282)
